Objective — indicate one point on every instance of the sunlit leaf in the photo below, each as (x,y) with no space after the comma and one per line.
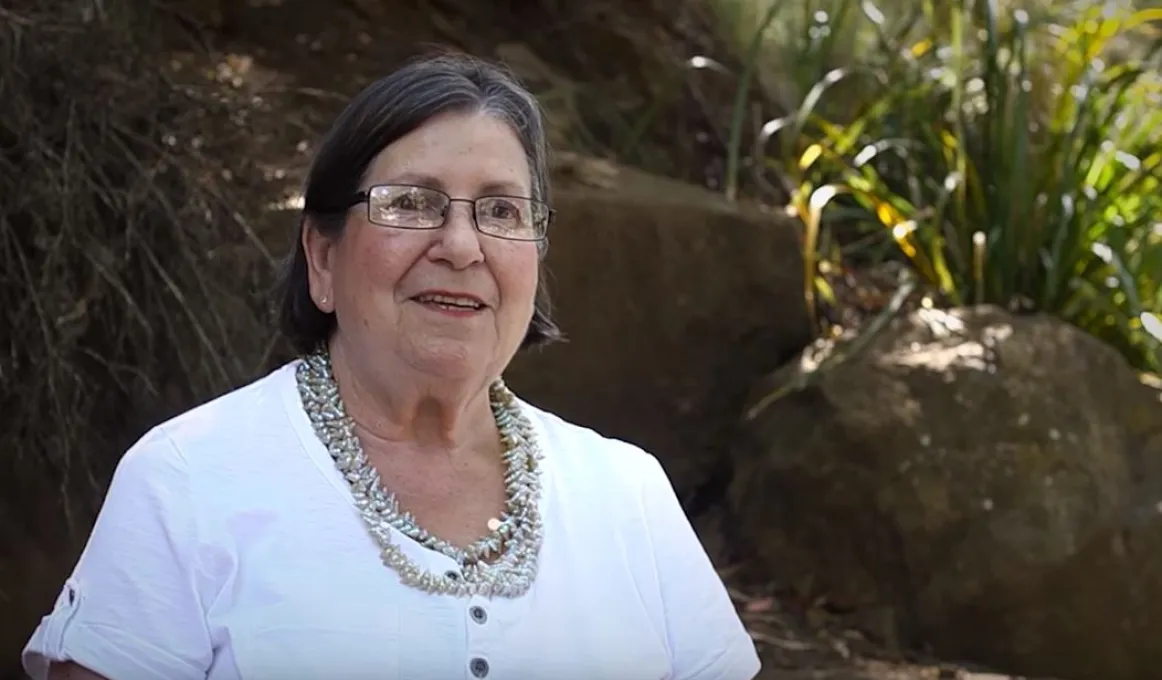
(920,48)
(888,215)
(902,235)
(809,156)
(1152,324)
(812,219)
(826,291)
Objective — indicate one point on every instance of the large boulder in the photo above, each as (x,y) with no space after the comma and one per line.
(671,298)
(995,481)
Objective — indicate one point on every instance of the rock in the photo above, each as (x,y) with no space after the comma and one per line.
(670,297)
(994,479)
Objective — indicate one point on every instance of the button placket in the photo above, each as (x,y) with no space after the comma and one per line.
(480,616)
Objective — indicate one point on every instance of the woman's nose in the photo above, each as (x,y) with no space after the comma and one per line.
(458,241)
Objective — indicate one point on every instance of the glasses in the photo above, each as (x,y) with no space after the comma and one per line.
(403,206)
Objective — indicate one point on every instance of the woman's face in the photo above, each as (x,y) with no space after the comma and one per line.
(449,302)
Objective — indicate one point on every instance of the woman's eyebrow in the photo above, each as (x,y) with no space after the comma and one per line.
(504,187)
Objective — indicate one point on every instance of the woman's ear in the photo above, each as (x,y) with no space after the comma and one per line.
(318,249)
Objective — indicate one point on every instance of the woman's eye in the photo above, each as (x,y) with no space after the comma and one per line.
(406,203)
(503,211)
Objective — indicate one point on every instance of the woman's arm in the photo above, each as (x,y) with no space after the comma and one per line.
(132,607)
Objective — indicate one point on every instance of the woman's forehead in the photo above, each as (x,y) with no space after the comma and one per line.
(456,151)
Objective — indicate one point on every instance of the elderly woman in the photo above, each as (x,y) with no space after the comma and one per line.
(383,506)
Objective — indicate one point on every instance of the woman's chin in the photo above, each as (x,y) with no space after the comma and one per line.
(451,360)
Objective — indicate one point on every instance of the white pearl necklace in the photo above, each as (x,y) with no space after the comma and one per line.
(502,563)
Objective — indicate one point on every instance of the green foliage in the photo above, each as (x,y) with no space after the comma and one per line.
(1010,156)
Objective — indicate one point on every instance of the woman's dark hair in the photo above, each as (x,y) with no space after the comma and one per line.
(383,112)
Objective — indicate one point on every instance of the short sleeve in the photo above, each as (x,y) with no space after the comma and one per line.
(706,637)
(131,608)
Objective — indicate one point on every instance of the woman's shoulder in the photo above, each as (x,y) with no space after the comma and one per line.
(580,452)
(219,428)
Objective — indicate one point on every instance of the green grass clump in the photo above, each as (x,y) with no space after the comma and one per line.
(1010,155)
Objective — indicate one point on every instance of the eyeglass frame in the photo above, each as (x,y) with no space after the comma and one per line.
(364,196)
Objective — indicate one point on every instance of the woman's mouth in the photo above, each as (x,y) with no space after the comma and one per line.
(458,305)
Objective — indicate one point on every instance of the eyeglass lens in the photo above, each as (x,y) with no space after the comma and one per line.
(411,207)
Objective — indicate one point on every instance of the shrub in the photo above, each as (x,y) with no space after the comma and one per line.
(1011,159)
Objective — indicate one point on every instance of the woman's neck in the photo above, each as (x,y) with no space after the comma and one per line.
(418,412)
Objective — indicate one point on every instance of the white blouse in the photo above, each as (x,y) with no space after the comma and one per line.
(228,548)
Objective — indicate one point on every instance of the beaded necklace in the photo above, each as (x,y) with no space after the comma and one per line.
(502,563)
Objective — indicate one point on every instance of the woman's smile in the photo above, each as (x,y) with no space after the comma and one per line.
(452,304)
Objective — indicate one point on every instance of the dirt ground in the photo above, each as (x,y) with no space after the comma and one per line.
(801,640)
